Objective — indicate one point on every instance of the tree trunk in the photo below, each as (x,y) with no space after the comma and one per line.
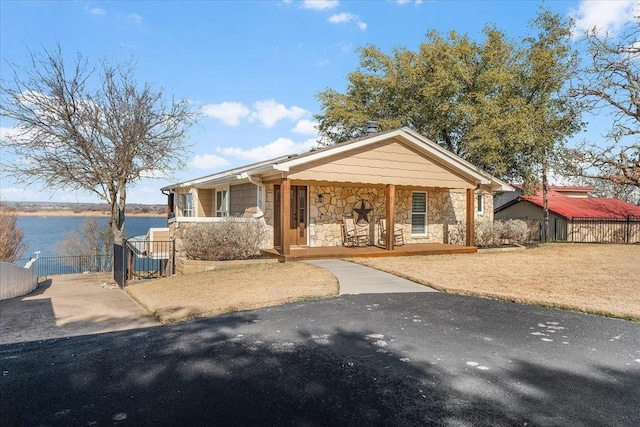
(116,223)
(545,199)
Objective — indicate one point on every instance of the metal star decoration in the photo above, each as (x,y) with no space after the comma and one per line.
(363,212)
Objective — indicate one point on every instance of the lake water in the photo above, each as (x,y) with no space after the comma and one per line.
(45,233)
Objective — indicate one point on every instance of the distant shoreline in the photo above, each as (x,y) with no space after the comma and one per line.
(62,212)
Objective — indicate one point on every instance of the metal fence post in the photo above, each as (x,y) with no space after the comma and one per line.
(628,229)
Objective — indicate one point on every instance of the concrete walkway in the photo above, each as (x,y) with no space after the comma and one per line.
(357,279)
(65,306)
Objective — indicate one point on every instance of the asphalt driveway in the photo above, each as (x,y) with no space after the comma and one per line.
(371,359)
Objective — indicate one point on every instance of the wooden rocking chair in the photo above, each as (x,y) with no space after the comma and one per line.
(398,233)
(354,235)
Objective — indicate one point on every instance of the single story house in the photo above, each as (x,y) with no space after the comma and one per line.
(394,180)
(578,218)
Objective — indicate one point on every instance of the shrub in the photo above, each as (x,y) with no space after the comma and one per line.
(515,230)
(458,233)
(487,233)
(11,245)
(225,240)
(491,234)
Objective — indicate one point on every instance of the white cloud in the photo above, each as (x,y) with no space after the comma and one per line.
(229,112)
(306,127)
(135,18)
(603,15)
(97,11)
(153,174)
(320,4)
(341,18)
(279,147)
(345,18)
(401,2)
(208,161)
(269,112)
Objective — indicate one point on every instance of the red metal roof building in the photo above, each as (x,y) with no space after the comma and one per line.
(592,207)
(578,219)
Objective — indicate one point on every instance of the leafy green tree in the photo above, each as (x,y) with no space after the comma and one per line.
(454,90)
(500,105)
(80,127)
(550,62)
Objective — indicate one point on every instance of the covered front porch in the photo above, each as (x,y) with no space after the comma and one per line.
(311,222)
(297,253)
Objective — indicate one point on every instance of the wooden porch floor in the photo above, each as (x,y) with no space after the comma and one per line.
(302,253)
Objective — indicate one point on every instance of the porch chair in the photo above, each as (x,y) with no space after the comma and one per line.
(354,235)
(398,233)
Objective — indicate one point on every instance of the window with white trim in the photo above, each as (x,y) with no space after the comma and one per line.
(480,203)
(222,202)
(186,204)
(419,213)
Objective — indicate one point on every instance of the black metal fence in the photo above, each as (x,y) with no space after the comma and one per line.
(150,259)
(141,259)
(54,265)
(614,230)
(137,260)
(587,230)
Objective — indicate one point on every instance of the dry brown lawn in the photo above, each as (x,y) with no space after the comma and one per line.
(223,291)
(597,279)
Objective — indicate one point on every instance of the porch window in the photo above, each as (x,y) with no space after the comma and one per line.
(186,204)
(419,213)
(480,203)
(222,202)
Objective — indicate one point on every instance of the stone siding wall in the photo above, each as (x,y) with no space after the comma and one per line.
(487,214)
(445,208)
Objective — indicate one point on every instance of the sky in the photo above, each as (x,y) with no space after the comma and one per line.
(252,68)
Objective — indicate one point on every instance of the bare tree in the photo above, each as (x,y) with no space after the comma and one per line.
(91,241)
(90,128)
(11,245)
(610,84)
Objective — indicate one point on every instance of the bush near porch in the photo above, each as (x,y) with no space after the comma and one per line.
(489,234)
(228,239)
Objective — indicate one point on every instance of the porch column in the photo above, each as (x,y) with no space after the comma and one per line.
(285,215)
(470,214)
(390,220)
